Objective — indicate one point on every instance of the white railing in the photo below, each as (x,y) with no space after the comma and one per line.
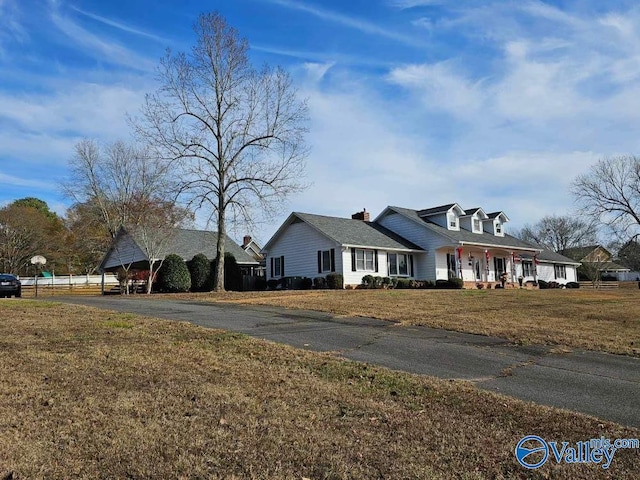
(70,280)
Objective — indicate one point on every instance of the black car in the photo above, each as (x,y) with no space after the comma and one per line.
(10,285)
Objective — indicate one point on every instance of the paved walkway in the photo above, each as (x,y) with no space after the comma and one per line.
(599,384)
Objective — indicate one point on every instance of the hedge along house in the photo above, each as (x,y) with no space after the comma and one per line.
(430,244)
(127,250)
(312,246)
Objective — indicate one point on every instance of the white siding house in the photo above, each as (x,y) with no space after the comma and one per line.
(311,246)
(438,243)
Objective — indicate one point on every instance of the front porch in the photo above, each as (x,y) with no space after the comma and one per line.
(487,266)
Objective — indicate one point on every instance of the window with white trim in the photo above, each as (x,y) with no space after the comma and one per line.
(365,260)
(476,225)
(326,261)
(452,220)
(277,266)
(527,268)
(498,228)
(560,271)
(398,265)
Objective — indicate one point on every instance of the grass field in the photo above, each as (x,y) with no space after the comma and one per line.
(607,321)
(86,393)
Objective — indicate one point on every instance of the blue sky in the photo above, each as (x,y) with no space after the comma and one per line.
(414,103)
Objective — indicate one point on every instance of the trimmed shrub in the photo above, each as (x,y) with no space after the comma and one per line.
(387,282)
(572,285)
(319,283)
(403,283)
(335,281)
(454,283)
(367,281)
(174,276)
(307,283)
(200,272)
(273,284)
(261,284)
(232,273)
(543,285)
(442,283)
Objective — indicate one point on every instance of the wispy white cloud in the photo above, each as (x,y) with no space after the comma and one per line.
(11,28)
(404,4)
(353,22)
(102,49)
(119,25)
(13,181)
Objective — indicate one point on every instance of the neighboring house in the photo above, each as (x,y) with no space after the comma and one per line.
(126,250)
(596,258)
(436,243)
(250,246)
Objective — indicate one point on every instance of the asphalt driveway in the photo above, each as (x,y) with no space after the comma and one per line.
(599,384)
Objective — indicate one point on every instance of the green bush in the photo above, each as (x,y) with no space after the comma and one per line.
(319,283)
(200,271)
(403,283)
(232,273)
(454,283)
(261,284)
(335,281)
(273,284)
(367,281)
(307,283)
(174,275)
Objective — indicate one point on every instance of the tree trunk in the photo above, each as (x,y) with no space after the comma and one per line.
(150,280)
(219,285)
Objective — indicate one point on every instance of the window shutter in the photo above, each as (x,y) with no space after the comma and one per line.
(319,261)
(282,266)
(333,259)
(271,267)
(411,265)
(375,260)
(353,259)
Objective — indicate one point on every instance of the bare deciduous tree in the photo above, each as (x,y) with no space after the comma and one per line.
(610,192)
(559,232)
(126,187)
(236,133)
(113,177)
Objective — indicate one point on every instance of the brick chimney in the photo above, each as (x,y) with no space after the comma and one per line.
(363,215)
(246,240)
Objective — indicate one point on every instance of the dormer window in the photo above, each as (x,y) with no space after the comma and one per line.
(476,225)
(452,221)
(498,228)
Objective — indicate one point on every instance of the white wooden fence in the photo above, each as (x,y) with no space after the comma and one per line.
(70,280)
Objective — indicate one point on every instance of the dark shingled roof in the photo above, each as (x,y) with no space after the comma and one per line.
(346,231)
(188,243)
(466,236)
(493,214)
(471,211)
(434,210)
(552,257)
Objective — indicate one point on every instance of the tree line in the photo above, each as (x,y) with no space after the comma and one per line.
(607,201)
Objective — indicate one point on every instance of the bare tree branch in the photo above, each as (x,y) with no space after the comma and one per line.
(235,133)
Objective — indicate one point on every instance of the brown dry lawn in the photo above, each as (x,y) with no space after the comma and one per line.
(86,393)
(607,321)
